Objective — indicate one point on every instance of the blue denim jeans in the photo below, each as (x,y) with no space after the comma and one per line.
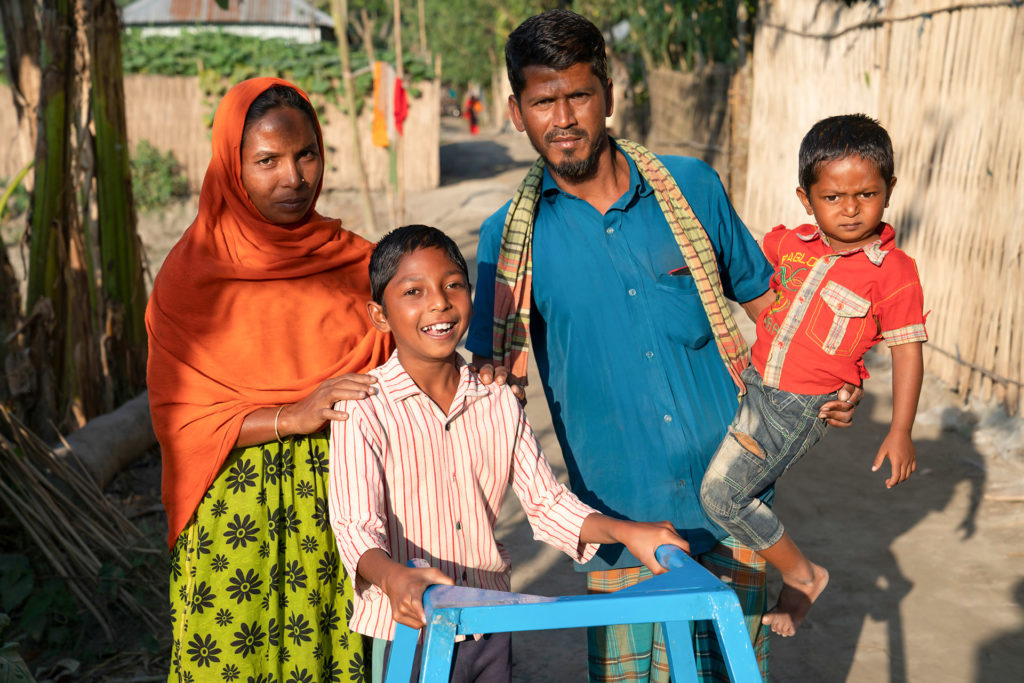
(771,431)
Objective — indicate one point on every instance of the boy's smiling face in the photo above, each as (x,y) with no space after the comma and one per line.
(427,306)
(847,201)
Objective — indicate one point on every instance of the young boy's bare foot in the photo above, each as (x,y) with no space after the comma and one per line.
(794,601)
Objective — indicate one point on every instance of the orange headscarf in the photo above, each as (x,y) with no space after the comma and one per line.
(247,314)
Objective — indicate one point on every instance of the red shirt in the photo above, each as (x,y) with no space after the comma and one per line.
(830,308)
(415,482)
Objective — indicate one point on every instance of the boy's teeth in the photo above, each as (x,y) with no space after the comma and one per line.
(439,327)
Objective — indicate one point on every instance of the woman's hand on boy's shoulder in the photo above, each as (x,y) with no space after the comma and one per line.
(311,413)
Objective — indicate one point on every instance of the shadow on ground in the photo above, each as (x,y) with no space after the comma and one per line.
(475,159)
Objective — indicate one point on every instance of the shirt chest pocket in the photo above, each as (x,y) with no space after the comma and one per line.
(838,320)
(677,302)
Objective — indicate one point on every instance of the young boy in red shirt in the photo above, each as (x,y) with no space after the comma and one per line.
(841,286)
(420,468)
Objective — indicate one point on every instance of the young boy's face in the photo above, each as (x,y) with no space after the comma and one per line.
(427,306)
(847,201)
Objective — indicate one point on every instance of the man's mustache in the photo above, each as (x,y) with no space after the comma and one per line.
(553,135)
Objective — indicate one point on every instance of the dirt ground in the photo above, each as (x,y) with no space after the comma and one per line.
(926,582)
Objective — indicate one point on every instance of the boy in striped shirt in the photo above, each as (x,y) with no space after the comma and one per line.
(419,469)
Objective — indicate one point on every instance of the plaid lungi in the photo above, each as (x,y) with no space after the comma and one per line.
(635,653)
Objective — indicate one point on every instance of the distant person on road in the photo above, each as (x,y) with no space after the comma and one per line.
(472,110)
(840,287)
(256,328)
(616,264)
(419,470)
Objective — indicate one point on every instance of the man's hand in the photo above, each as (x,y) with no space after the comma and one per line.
(487,372)
(899,449)
(839,413)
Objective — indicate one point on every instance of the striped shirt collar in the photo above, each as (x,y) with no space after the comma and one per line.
(397,384)
(874,251)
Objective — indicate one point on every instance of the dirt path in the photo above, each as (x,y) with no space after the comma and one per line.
(926,578)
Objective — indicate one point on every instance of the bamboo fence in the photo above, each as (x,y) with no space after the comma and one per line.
(947,81)
(171,112)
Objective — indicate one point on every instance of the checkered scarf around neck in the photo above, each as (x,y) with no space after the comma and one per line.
(514,277)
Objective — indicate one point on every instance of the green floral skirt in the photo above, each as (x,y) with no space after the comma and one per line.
(258,592)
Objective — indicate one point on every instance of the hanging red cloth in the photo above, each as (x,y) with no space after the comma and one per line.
(401,105)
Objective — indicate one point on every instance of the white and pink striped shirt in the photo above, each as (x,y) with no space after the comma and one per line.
(418,483)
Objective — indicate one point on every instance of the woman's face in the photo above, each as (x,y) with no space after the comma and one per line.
(281,165)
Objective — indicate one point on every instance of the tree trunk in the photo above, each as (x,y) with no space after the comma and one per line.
(109,443)
(21,37)
(51,213)
(123,301)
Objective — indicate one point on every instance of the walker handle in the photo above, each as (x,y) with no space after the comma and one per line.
(670,556)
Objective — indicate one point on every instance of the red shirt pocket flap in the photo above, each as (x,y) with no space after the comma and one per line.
(844,302)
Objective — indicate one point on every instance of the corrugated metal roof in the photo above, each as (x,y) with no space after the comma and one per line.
(272,12)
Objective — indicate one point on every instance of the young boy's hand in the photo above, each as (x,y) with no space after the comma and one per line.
(899,448)
(640,538)
(405,586)
(644,538)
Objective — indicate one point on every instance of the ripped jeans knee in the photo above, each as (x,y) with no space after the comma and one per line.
(731,488)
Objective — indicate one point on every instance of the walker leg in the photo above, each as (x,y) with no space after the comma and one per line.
(679,647)
(734,639)
(437,648)
(398,668)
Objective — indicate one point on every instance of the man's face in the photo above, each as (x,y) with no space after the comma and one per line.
(563,113)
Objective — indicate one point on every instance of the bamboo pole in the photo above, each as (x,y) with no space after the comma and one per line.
(339,10)
(399,143)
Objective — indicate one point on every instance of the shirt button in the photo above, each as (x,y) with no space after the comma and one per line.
(448,427)
(649,354)
(458,526)
(632,292)
(609,230)
(667,418)
(682,483)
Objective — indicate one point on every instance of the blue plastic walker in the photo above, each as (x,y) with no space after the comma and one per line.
(684,594)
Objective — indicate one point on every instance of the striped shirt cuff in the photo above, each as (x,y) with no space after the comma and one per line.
(906,335)
(352,544)
(576,511)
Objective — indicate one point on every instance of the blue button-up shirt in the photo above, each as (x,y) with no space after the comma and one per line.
(639,396)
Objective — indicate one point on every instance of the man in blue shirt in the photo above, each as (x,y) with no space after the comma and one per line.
(639,396)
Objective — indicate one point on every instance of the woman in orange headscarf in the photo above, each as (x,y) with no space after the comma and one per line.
(257,326)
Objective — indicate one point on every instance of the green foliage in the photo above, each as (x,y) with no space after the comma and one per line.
(676,34)
(157,177)
(42,608)
(14,204)
(223,59)
(470,34)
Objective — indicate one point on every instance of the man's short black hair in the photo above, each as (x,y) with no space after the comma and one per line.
(404,240)
(838,137)
(557,39)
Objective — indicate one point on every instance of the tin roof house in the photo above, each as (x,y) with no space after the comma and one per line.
(294,20)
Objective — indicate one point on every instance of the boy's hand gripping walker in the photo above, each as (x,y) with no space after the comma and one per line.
(677,598)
